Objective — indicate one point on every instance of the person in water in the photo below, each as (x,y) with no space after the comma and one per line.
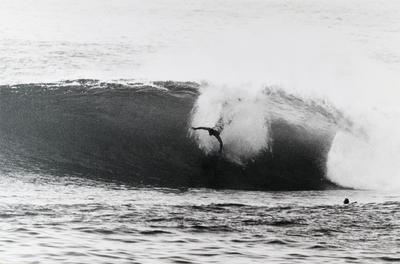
(212,132)
(347,201)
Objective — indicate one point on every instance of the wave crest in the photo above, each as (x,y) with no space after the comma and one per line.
(138,133)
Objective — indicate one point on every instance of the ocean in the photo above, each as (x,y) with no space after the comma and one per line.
(98,161)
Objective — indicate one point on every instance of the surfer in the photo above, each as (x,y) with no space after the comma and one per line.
(347,201)
(212,132)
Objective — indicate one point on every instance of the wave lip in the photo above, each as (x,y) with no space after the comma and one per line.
(138,133)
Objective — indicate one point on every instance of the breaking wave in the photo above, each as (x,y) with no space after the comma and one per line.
(139,133)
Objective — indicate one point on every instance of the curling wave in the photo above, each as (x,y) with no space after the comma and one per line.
(140,133)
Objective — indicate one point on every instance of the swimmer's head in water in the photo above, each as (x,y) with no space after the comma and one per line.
(346,201)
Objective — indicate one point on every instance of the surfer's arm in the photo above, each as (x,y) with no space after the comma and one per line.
(204,128)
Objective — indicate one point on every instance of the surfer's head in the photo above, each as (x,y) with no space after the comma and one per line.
(346,201)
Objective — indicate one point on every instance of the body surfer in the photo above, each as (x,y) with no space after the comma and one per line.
(212,132)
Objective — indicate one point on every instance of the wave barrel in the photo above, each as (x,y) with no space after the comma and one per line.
(139,134)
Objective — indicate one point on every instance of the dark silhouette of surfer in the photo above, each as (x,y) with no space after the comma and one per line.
(347,201)
(212,132)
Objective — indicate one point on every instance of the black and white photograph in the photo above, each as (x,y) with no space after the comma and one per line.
(199,131)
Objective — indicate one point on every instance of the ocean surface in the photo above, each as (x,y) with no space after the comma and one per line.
(71,220)
(99,164)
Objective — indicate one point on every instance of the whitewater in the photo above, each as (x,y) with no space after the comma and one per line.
(97,101)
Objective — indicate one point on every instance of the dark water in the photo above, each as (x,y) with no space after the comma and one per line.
(70,220)
(140,134)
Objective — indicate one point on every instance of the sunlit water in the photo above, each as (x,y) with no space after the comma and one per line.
(272,40)
(71,220)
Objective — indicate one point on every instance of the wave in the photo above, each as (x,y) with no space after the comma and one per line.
(139,133)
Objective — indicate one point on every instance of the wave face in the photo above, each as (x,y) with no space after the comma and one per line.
(140,134)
